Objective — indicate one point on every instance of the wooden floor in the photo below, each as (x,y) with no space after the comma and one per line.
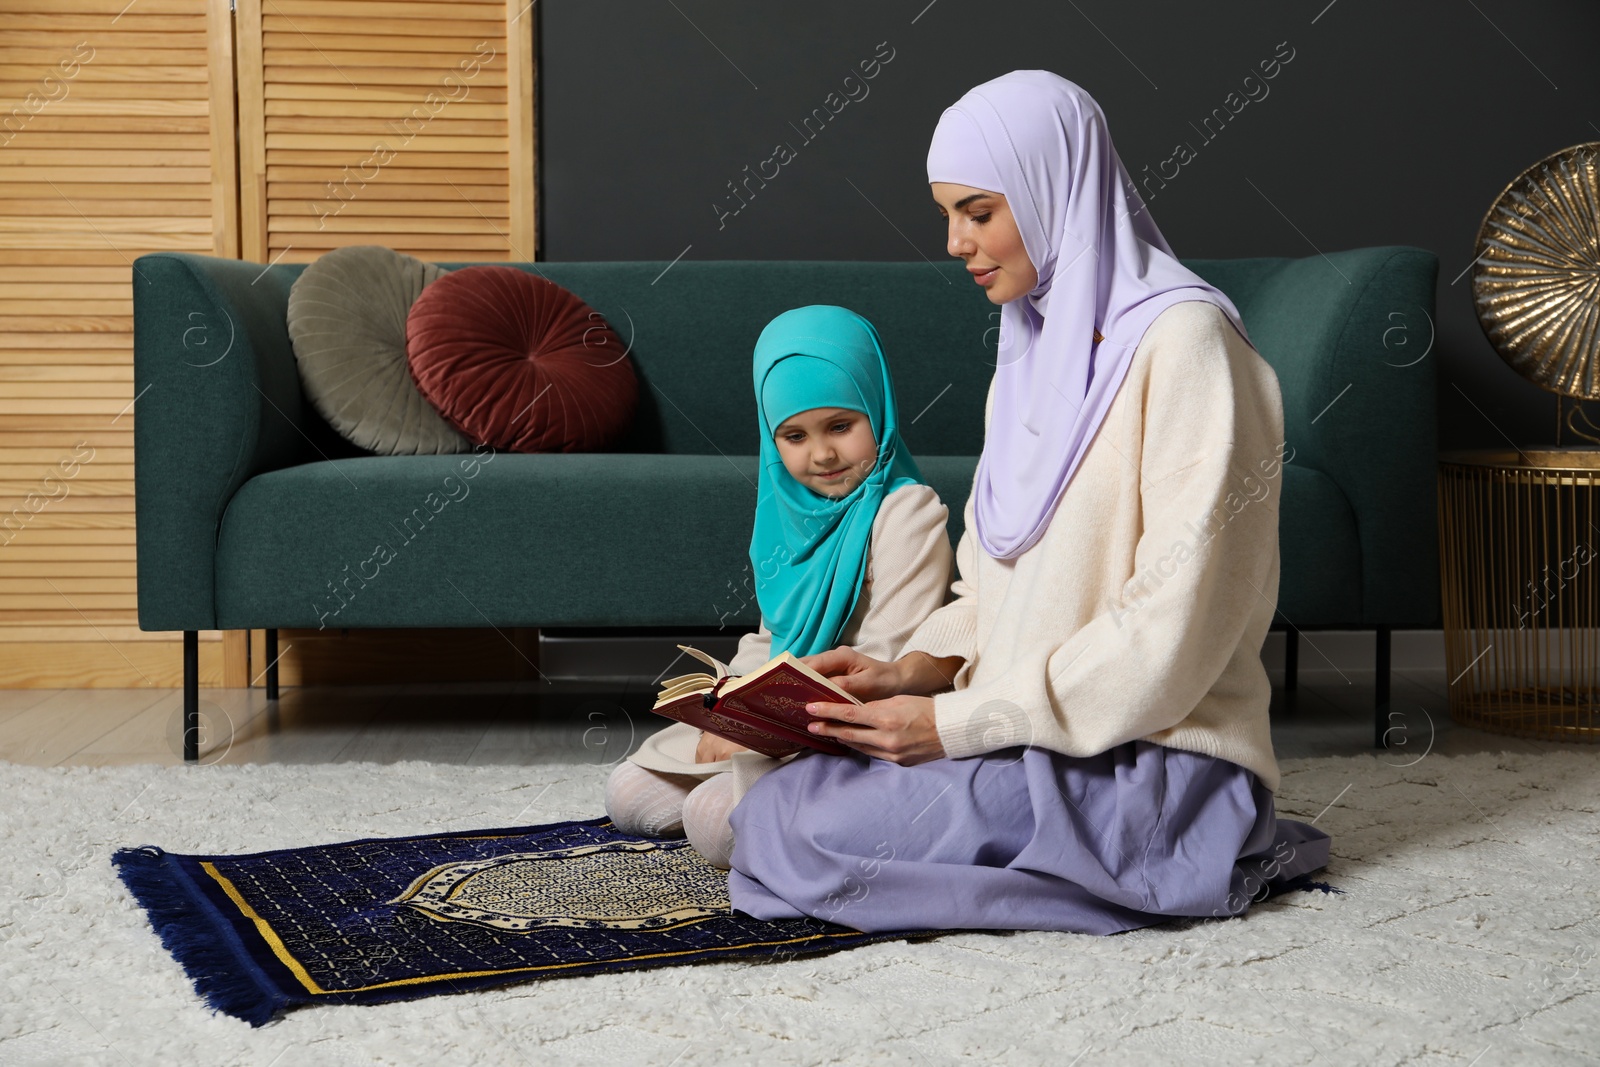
(573,721)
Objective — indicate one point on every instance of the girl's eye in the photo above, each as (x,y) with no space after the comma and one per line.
(840,427)
(981,219)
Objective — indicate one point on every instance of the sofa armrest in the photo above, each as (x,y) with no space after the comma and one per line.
(1385,450)
(217,401)
(1361,408)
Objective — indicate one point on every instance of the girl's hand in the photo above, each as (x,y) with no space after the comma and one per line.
(713,748)
(861,676)
(899,729)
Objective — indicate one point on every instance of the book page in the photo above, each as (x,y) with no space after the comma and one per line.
(689,683)
(718,668)
(794,662)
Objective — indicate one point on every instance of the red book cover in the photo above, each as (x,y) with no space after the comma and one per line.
(764,710)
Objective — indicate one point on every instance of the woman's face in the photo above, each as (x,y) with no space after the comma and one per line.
(830,450)
(982,232)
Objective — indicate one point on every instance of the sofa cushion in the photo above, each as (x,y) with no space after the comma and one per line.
(504,540)
(347,322)
(299,547)
(516,361)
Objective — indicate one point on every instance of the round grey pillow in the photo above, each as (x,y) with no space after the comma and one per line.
(347,322)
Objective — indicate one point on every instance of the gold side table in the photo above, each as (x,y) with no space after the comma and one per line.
(1519,536)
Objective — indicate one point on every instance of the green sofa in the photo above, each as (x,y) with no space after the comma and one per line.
(252,513)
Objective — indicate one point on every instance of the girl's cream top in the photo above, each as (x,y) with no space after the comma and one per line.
(908,574)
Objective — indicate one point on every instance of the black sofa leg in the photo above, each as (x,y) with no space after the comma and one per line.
(1380,711)
(1291,658)
(272,664)
(191,696)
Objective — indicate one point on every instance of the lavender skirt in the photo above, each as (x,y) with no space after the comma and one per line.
(1022,839)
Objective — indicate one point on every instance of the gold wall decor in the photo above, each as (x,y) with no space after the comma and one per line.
(1519,530)
(1536,272)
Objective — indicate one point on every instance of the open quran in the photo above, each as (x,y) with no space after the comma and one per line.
(764,710)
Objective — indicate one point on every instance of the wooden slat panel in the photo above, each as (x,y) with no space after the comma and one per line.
(116,10)
(399,175)
(72,192)
(141,155)
(292,224)
(73,554)
(110,159)
(72,220)
(65,175)
(329,43)
(48,41)
(121,75)
(93,478)
(488,94)
(48,323)
(74,25)
(34,535)
(62,571)
(316,24)
(67,372)
(178,59)
(49,127)
(383,122)
(105,632)
(420,209)
(125,662)
(129,159)
(110,90)
(447,10)
(484,196)
(317,115)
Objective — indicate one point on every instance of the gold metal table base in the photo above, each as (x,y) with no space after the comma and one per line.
(1520,577)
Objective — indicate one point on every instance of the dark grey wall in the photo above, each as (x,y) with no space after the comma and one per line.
(1390,123)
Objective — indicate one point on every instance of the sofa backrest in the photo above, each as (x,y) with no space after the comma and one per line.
(691,326)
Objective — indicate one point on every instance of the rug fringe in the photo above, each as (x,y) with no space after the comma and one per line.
(189,934)
(1304,881)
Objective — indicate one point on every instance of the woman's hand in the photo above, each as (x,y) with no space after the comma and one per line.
(859,675)
(713,748)
(900,729)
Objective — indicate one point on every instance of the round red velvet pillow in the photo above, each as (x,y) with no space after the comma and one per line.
(515,361)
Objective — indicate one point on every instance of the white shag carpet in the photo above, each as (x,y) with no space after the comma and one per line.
(1467,934)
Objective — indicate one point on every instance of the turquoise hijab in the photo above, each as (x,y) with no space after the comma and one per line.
(809,551)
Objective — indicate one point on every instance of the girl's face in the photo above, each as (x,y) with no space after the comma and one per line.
(829,450)
(982,232)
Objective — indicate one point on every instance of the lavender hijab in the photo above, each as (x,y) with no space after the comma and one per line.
(1103,266)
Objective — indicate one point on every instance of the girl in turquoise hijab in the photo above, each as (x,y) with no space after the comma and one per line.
(813,527)
(831,454)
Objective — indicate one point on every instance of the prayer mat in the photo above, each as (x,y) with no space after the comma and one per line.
(385,919)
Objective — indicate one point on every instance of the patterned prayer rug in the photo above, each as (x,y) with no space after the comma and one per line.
(395,918)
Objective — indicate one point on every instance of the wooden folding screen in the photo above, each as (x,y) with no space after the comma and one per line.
(406,124)
(116,139)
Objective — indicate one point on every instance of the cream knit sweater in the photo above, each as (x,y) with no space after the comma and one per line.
(1142,610)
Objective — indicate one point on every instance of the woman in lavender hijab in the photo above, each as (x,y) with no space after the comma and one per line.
(1078,739)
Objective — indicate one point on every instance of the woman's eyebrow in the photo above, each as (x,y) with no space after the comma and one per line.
(964,201)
